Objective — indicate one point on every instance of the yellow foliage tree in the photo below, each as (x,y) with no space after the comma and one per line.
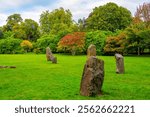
(26,45)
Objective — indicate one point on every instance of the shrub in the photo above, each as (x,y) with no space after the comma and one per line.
(26,45)
(115,44)
(10,46)
(98,39)
(46,41)
(8,35)
(73,43)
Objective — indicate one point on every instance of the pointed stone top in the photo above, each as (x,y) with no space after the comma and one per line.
(118,55)
(91,50)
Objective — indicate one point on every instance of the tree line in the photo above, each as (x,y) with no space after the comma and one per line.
(110,27)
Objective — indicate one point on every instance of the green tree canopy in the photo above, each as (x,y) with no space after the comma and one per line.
(29,30)
(59,20)
(109,17)
(138,36)
(12,20)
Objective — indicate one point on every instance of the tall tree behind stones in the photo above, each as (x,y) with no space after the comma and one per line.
(143,13)
(29,30)
(81,24)
(57,21)
(12,20)
(108,17)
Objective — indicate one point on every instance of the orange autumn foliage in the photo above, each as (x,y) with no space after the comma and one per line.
(72,42)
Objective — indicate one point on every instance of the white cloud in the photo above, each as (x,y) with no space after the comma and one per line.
(6,4)
(33,14)
(3,18)
(79,8)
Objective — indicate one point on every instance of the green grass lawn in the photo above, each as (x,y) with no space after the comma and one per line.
(35,78)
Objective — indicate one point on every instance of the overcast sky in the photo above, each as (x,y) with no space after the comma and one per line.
(79,8)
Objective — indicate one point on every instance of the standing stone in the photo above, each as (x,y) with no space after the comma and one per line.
(119,64)
(92,77)
(54,59)
(91,51)
(49,55)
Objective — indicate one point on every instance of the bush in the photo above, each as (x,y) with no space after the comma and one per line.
(73,43)
(8,35)
(26,45)
(98,39)
(46,41)
(115,44)
(10,46)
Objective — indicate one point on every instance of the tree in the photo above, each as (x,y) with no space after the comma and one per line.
(12,20)
(138,32)
(1,33)
(143,13)
(115,44)
(97,38)
(31,29)
(145,36)
(19,31)
(81,24)
(72,43)
(108,17)
(46,41)
(26,45)
(57,21)
(136,39)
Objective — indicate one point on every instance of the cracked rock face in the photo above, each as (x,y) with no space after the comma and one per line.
(119,64)
(92,77)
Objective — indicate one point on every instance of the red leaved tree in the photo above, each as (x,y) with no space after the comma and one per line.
(72,43)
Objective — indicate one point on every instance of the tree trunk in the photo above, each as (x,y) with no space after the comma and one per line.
(138,51)
(73,52)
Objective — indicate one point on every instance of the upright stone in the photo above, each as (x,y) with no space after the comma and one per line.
(54,59)
(49,55)
(91,50)
(92,77)
(119,64)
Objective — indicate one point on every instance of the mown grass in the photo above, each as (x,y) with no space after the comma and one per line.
(35,78)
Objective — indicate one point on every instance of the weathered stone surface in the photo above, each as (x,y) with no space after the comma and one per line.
(91,51)
(49,55)
(92,77)
(54,59)
(119,64)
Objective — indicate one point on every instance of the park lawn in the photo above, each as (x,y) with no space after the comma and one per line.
(36,79)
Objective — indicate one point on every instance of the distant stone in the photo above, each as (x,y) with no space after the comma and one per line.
(91,51)
(119,64)
(12,66)
(92,77)
(3,66)
(54,60)
(7,67)
(49,55)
